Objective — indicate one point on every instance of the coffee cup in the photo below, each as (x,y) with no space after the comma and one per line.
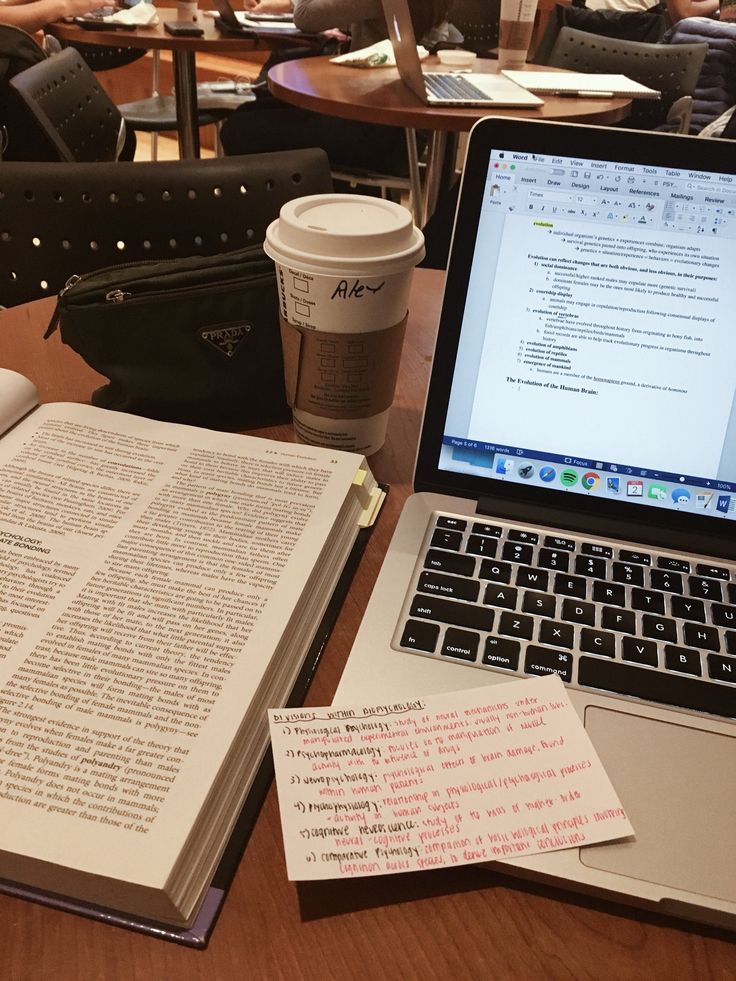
(186,10)
(515,29)
(343,265)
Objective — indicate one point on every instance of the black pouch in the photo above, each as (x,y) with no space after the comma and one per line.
(193,340)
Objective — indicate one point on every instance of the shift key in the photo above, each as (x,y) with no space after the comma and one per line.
(447,611)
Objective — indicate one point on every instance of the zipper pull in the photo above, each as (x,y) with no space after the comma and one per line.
(117,296)
(72,281)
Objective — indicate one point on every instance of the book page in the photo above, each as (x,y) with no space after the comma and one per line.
(148,573)
(18,396)
(451,779)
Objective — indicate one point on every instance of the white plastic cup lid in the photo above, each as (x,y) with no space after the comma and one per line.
(345,233)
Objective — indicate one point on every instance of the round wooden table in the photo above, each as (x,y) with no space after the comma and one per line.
(184,49)
(379,96)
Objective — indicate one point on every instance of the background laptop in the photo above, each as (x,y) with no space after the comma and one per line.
(446,88)
(577,470)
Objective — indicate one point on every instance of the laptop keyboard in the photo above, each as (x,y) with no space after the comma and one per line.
(648,625)
(453,88)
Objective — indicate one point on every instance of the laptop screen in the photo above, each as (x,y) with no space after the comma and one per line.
(594,349)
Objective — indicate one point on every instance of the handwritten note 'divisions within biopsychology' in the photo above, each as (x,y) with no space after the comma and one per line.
(471,776)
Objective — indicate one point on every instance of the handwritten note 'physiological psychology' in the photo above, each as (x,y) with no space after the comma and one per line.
(451,779)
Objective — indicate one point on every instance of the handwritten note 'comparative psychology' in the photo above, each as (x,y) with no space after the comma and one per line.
(451,779)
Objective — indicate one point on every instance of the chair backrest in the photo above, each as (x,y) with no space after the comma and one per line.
(58,220)
(673,69)
(71,108)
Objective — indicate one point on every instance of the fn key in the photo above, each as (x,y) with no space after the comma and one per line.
(418,636)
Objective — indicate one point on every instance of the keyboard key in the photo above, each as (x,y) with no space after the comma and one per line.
(551,541)
(515,535)
(670,582)
(518,552)
(577,612)
(593,548)
(447,611)
(713,571)
(515,625)
(622,620)
(495,571)
(608,592)
(459,565)
(661,628)
(570,586)
(662,687)
(723,616)
(588,565)
(674,565)
(532,578)
(687,609)
(541,661)
(500,652)
(420,636)
(682,659)
(481,545)
(641,651)
(646,599)
(450,521)
(638,558)
(722,668)
(553,559)
(703,637)
(705,588)
(442,538)
(490,531)
(503,596)
(453,587)
(460,644)
(632,575)
(540,603)
(555,633)
(598,642)
(731,641)
(732,592)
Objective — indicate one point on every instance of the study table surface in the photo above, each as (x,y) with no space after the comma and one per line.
(378,95)
(184,49)
(445,924)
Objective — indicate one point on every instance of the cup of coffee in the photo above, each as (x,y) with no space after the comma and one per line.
(343,265)
(186,9)
(515,32)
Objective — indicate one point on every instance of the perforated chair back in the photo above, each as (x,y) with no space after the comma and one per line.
(75,114)
(672,69)
(477,21)
(58,220)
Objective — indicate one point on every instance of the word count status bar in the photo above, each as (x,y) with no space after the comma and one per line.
(552,188)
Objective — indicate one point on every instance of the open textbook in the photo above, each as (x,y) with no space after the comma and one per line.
(161,586)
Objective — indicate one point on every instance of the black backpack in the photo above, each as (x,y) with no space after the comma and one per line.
(20,138)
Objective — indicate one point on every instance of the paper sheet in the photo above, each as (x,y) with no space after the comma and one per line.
(451,779)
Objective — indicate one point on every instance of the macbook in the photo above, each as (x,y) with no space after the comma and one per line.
(575,505)
(446,88)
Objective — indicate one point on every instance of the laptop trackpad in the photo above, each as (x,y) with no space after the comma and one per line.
(668,777)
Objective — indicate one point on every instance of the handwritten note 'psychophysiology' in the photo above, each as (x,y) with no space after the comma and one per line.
(451,779)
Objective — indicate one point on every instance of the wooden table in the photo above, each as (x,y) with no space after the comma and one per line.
(379,96)
(183,50)
(452,924)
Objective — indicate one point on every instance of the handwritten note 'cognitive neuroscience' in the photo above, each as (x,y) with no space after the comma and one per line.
(451,779)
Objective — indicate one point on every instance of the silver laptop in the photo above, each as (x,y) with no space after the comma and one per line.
(446,88)
(576,479)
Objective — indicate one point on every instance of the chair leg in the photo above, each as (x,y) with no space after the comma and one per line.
(414,178)
(155,81)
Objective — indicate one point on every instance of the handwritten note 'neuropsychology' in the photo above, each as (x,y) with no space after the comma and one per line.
(451,779)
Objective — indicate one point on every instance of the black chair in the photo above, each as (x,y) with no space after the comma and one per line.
(672,69)
(477,21)
(59,220)
(67,105)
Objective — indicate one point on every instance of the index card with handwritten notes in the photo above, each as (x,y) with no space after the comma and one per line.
(451,779)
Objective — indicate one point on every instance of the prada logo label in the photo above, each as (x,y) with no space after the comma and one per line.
(226,338)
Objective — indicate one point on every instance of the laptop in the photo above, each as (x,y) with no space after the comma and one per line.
(446,88)
(575,505)
(238,23)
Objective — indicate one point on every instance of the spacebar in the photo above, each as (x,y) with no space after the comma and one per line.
(656,686)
